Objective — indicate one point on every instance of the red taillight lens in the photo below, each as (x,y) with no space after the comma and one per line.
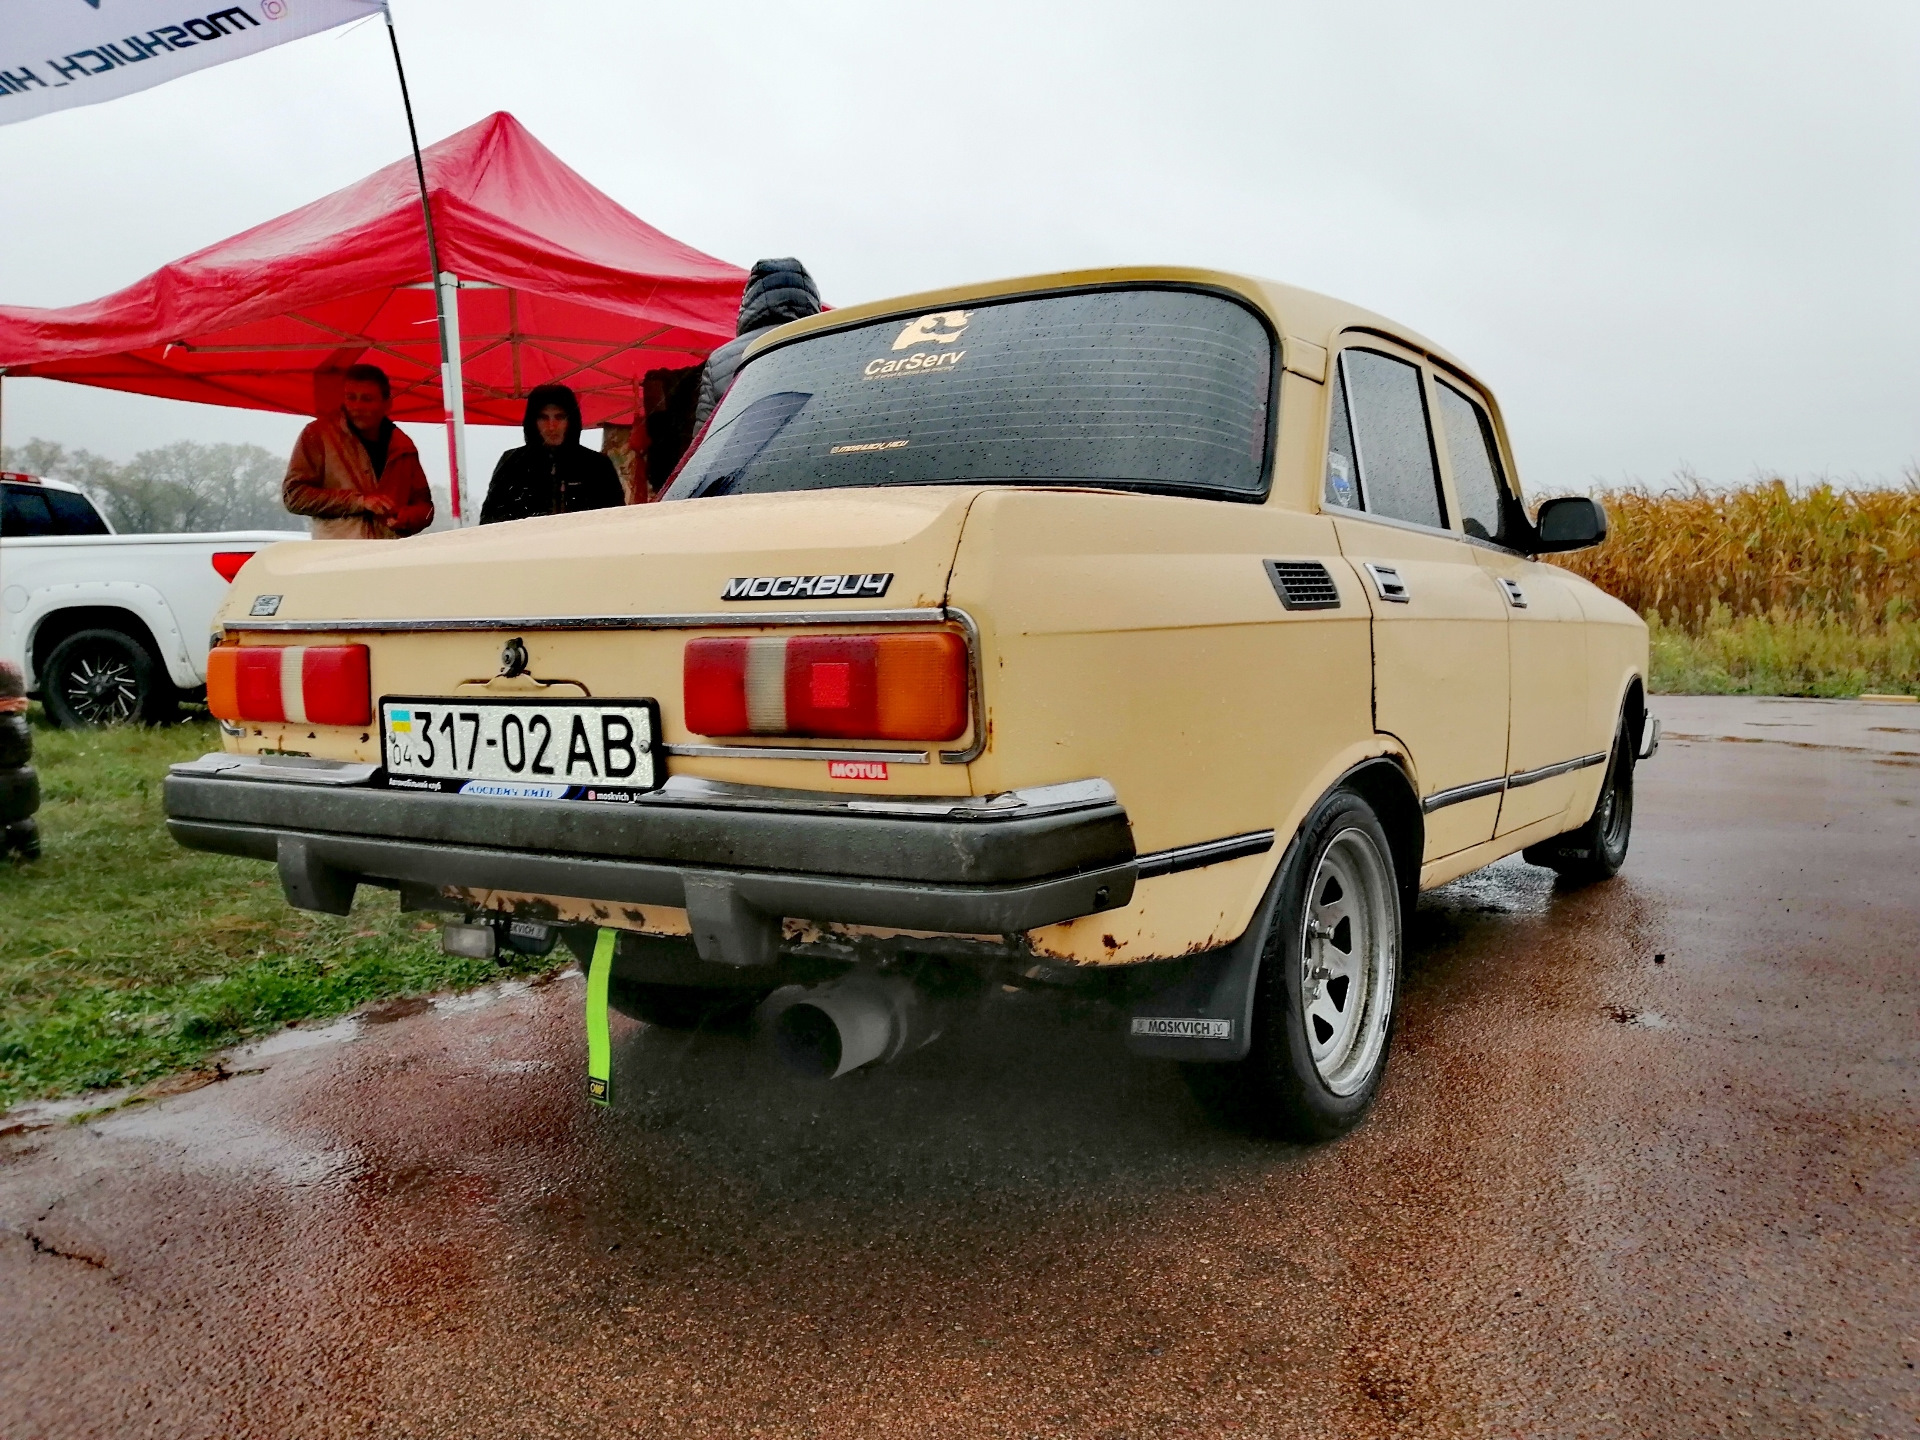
(228,562)
(305,684)
(865,687)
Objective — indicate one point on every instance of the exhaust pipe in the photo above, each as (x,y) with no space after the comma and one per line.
(864,1019)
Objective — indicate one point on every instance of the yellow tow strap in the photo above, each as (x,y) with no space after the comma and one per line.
(599,1048)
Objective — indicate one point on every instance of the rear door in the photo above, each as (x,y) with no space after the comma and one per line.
(1440,625)
(1546,630)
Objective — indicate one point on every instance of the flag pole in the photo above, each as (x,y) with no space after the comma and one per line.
(443,286)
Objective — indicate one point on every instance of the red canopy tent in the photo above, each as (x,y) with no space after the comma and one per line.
(557,283)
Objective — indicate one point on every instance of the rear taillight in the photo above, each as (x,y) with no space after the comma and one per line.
(306,684)
(867,687)
(228,562)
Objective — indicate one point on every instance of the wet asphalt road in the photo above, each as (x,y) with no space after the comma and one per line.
(1602,1195)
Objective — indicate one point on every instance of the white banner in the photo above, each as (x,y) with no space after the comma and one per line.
(59,53)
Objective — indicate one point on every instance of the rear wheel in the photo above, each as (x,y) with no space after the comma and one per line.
(1329,977)
(105,677)
(1598,849)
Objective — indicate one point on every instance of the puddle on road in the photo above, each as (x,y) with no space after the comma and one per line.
(1508,887)
(295,1038)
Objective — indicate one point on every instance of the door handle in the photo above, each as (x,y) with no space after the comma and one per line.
(1387,583)
(1516,597)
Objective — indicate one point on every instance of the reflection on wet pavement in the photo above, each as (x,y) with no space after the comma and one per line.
(1600,1196)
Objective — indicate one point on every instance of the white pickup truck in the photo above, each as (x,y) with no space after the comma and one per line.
(108,627)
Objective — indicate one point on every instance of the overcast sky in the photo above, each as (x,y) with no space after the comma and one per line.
(1666,234)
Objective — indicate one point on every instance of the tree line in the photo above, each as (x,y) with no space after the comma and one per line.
(184,487)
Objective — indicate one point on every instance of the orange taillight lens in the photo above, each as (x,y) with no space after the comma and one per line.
(304,684)
(865,687)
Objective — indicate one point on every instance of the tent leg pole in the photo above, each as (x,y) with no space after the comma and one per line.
(451,401)
(452,384)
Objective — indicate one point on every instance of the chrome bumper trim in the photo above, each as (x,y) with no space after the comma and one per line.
(294,769)
(1649,738)
(692,790)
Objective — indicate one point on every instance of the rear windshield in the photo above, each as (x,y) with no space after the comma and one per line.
(33,510)
(1152,389)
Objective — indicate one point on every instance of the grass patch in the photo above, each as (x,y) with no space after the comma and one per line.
(1784,655)
(124,957)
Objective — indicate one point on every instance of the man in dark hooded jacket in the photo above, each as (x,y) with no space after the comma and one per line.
(777,291)
(553,473)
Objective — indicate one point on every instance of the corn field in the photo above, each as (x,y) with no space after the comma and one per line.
(1848,556)
(1767,589)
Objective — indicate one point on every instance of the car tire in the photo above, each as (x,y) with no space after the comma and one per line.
(683,1007)
(16,741)
(19,794)
(21,838)
(1328,982)
(106,677)
(1598,849)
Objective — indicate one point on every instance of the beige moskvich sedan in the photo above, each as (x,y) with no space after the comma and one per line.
(1158,632)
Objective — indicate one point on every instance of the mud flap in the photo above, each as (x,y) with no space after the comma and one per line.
(599,1047)
(1206,1011)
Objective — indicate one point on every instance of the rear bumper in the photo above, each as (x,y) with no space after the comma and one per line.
(981,867)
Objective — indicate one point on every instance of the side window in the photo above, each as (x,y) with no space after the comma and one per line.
(74,514)
(24,512)
(1477,481)
(1387,411)
(1343,475)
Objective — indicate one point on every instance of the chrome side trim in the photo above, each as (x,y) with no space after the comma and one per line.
(1207,852)
(1547,772)
(792,752)
(1440,799)
(931,614)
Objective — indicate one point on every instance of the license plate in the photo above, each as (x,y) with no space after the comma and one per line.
(523,749)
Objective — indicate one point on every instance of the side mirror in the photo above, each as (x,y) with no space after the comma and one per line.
(1571,522)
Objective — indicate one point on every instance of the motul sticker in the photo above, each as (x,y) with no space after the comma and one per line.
(1168,1027)
(856,769)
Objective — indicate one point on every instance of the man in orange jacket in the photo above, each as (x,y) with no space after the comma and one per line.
(354,473)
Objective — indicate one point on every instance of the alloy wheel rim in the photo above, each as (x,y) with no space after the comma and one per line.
(1347,962)
(101,688)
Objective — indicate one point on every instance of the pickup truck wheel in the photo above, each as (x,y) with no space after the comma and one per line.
(1598,849)
(682,1007)
(1329,976)
(105,677)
